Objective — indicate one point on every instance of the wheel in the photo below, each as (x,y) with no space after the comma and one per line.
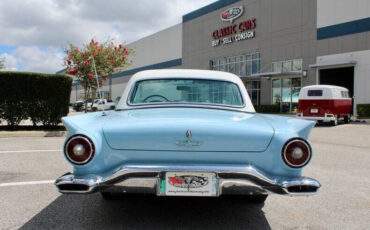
(257,199)
(112,107)
(347,119)
(335,122)
(94,109)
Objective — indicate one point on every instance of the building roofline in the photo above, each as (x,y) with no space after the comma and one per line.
(60,71)
(207,9)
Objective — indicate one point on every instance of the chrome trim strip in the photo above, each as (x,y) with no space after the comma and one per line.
(229,176)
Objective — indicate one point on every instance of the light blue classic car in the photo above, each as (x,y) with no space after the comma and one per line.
(186,133)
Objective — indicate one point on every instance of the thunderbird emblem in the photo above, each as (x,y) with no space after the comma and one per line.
(188,134)
(188,142)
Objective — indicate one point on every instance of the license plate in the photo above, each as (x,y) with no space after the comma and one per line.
(314,110)
(190,184)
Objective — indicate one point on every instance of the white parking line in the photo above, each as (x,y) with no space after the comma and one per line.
(26,183)
(32,151)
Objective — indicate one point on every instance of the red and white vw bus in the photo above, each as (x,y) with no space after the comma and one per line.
(324,103)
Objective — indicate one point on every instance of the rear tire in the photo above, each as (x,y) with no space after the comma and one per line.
(347,119)
(335,122)
(94,109)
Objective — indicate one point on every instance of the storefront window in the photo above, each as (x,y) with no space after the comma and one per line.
(254,89)
(287,66)
(285,91)
(243,65)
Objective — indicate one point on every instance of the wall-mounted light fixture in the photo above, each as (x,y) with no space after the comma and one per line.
(304,73)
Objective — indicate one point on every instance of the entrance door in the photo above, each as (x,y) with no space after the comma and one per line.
(340,77)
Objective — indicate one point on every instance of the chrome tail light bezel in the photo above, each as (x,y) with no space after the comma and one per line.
(285,148)
(87,141)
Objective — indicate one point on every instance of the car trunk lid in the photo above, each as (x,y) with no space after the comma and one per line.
(187,129)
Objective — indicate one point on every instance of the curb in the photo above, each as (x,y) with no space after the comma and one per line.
(5,134)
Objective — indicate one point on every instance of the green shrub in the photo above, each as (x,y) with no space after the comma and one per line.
(363,110)
(41,97)
(268,108)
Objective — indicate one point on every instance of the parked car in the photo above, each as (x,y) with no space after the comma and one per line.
(78,105)
(103,105)
(187,133)
(325,103)
(90,104)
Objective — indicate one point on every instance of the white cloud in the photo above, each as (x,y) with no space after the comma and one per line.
(34,59)
(55,24)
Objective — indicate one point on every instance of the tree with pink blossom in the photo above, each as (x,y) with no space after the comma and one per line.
(105,57)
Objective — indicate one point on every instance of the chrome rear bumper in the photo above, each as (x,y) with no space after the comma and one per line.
(242,180)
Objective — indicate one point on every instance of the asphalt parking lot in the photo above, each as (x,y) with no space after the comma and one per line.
(29,200)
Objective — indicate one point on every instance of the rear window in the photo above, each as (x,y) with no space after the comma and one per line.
(314,93)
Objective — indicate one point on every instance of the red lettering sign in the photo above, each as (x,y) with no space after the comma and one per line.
(230,30)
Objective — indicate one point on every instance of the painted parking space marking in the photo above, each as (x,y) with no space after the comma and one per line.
(31,151)
(26,183)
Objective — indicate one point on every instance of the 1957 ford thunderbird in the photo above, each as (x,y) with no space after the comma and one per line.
(186,133)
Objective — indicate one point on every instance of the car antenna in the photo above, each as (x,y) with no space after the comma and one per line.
(97,82)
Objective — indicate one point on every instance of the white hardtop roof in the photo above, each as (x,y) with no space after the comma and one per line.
(324,87)
(185,73)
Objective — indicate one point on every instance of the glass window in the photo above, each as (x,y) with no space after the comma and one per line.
(296,82)
(285,91)
(231,65)
(297,65)
(186,91)
(287,66)
(245,65)
(276,67)
(237,66)
(249,67)
(222,64)
(276,83)
(287,83)
(314,93)
(253,88)
(276,95)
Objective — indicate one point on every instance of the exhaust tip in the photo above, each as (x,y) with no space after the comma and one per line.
(302,189)
(73,187)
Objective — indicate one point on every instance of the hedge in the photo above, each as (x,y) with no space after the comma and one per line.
(268,108)
(40,97)
(363,110)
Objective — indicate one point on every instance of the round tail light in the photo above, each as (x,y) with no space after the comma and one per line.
(79,149)
(296,153)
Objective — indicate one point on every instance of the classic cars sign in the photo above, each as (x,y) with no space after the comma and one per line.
(234,32)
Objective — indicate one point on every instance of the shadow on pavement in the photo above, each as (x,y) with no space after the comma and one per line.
(149,212)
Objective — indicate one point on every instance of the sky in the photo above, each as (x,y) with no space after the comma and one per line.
(34,33)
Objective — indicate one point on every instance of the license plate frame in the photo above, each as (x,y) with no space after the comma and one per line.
(203,184)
